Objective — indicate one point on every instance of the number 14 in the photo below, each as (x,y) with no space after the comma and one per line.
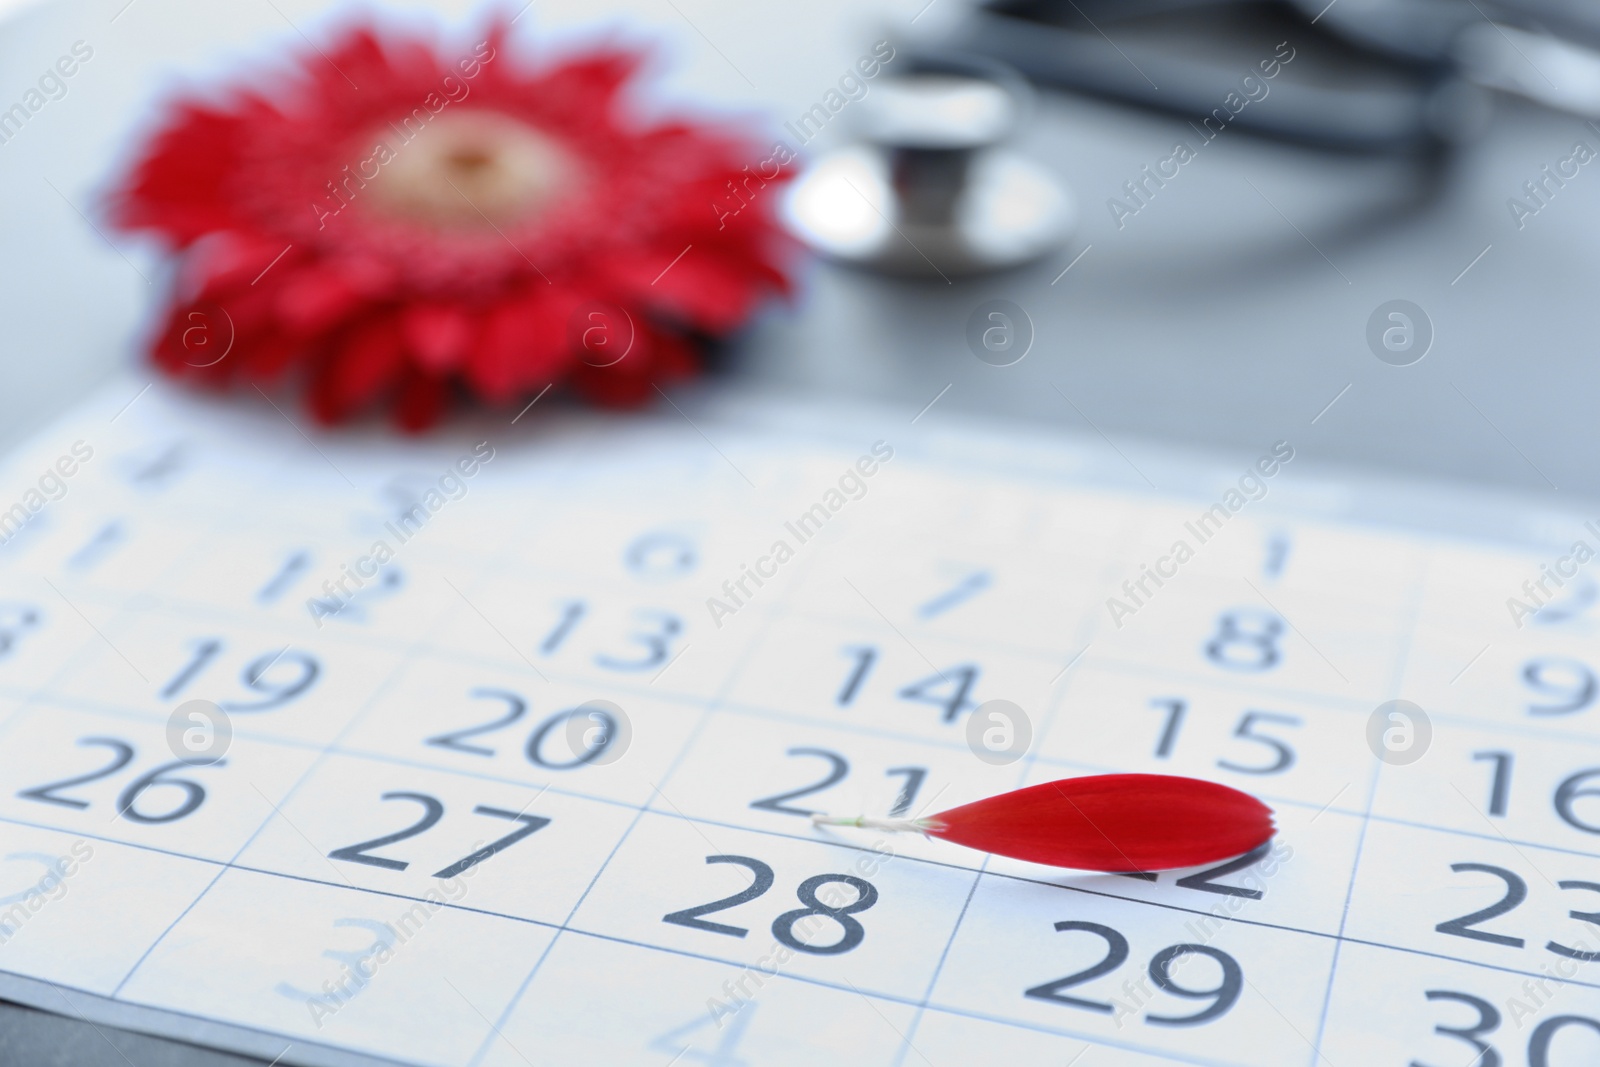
(949,690)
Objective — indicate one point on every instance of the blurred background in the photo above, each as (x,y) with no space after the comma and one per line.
(1231,309)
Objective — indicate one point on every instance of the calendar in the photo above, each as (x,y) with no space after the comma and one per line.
(500,746)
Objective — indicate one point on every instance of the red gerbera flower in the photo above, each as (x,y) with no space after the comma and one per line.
(396,221)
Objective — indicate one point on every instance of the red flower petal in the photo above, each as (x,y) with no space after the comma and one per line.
(180,185)
(524,344)
(367,361)
(656,359)
(225,260)
(1112,822)
(437,334)
(315,299)
(702,288)
(266,356)
(421,402)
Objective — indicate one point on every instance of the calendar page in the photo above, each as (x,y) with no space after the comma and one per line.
(499,747)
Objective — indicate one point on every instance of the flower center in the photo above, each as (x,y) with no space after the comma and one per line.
(471,170)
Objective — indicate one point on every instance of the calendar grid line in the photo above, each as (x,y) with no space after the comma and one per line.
(1160,905)
(1000,1020)
(642,810)
(426,647)
(705,716)
(726,706)
(744,709)
(1342,705)
(1396,682)
(741,710)
(1042,655)
(130,606)
(1086,630)
(1344,917)
(511,1003)
(1119,665)
(124,605)
(377,755)
(371,701)
(1346,939)
(1092,1040)
(734,963)
(535,567)
(1089,626)
(938,968)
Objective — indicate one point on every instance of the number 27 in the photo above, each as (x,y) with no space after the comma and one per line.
(433,811)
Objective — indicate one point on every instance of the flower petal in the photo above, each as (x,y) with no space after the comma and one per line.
(369,358)
(700,288)
(421,401)
(525,342)
(315,299)
(437,334)
(1112,822)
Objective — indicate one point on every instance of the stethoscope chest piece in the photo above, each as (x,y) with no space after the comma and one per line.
(931,190)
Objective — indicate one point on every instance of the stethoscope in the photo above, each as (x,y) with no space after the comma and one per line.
(931,188)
